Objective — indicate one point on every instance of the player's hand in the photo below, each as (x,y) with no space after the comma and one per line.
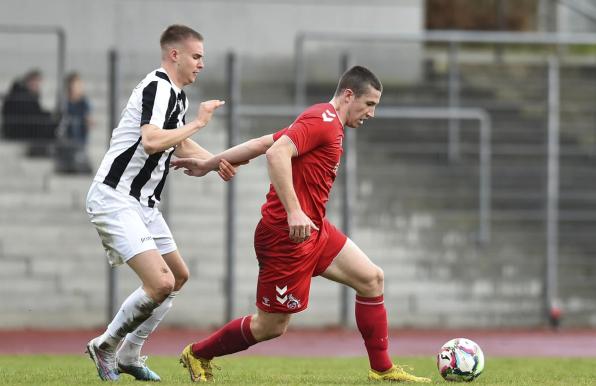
(206,110)
(226,170)
(192,166)
(300,226)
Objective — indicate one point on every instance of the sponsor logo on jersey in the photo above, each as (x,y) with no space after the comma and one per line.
(265,301)
(146,238)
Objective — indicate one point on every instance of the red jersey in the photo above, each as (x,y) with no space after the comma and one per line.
(318,135)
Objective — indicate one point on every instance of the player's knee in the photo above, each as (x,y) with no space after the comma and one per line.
(163,288)
(374,283)
(269,329)
(180,279)
(378,281)
(275,330)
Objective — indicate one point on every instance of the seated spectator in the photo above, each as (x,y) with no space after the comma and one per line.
(71,153)
(77,118)
(22,114)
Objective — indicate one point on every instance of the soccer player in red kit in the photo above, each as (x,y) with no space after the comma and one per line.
(294,241)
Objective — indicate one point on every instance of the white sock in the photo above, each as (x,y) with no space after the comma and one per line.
(130,351)
(135,310)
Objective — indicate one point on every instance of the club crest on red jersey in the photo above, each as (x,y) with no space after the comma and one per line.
(293,302)
(283,297)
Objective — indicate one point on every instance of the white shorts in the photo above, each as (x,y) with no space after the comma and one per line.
(126,227)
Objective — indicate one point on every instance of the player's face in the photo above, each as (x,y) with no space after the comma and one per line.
(190,60)
(363,107)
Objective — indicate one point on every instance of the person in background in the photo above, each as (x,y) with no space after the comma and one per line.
(78,111)
(71,147)
(22,114)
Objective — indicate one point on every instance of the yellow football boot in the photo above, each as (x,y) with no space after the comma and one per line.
(395,374)
(199,368)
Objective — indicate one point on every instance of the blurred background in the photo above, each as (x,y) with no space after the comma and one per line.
(474,188)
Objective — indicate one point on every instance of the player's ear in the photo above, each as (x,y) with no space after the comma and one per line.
(172,52)
(348,95)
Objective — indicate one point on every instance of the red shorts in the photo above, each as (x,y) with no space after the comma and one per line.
(286,268)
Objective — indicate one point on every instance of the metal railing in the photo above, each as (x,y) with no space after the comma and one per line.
(454,39)
(61,53)
(235,110)
(484,188)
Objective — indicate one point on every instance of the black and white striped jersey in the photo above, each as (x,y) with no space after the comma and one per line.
(126,166)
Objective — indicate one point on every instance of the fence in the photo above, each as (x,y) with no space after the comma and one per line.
(417,205)
(454,40)
(23,117)
(453,113)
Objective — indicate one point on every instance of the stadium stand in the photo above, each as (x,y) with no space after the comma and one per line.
(416,214)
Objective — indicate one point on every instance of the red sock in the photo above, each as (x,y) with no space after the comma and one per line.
(371,319)
(233,337)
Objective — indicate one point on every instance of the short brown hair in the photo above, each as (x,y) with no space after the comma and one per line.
(32,74)
(177,33)
(357,79)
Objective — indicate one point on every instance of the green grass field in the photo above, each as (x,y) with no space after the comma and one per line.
(78,370)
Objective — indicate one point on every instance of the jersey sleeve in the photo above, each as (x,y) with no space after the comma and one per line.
(308,133)
(158,100)
(278,134)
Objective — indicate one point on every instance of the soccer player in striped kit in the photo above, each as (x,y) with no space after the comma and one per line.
(294,241)
(123,201)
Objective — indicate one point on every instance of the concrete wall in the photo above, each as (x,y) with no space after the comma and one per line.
(260,29)
(578,18)
(53,269)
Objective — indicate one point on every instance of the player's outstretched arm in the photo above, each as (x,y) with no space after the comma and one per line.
(237,155)
(197,168)
(156,139)
(190,149)
(279,164)
(246,151)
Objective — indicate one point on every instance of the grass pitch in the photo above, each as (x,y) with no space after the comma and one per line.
(61,370)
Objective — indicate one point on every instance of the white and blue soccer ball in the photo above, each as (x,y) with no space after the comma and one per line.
(460,360)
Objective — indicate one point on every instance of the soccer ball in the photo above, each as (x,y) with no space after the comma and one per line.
(460,360)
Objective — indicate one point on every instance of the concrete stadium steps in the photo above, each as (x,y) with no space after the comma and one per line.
(421,229)
(447,193)
(469,302)
(517,187)
(525,131)
(513,186)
